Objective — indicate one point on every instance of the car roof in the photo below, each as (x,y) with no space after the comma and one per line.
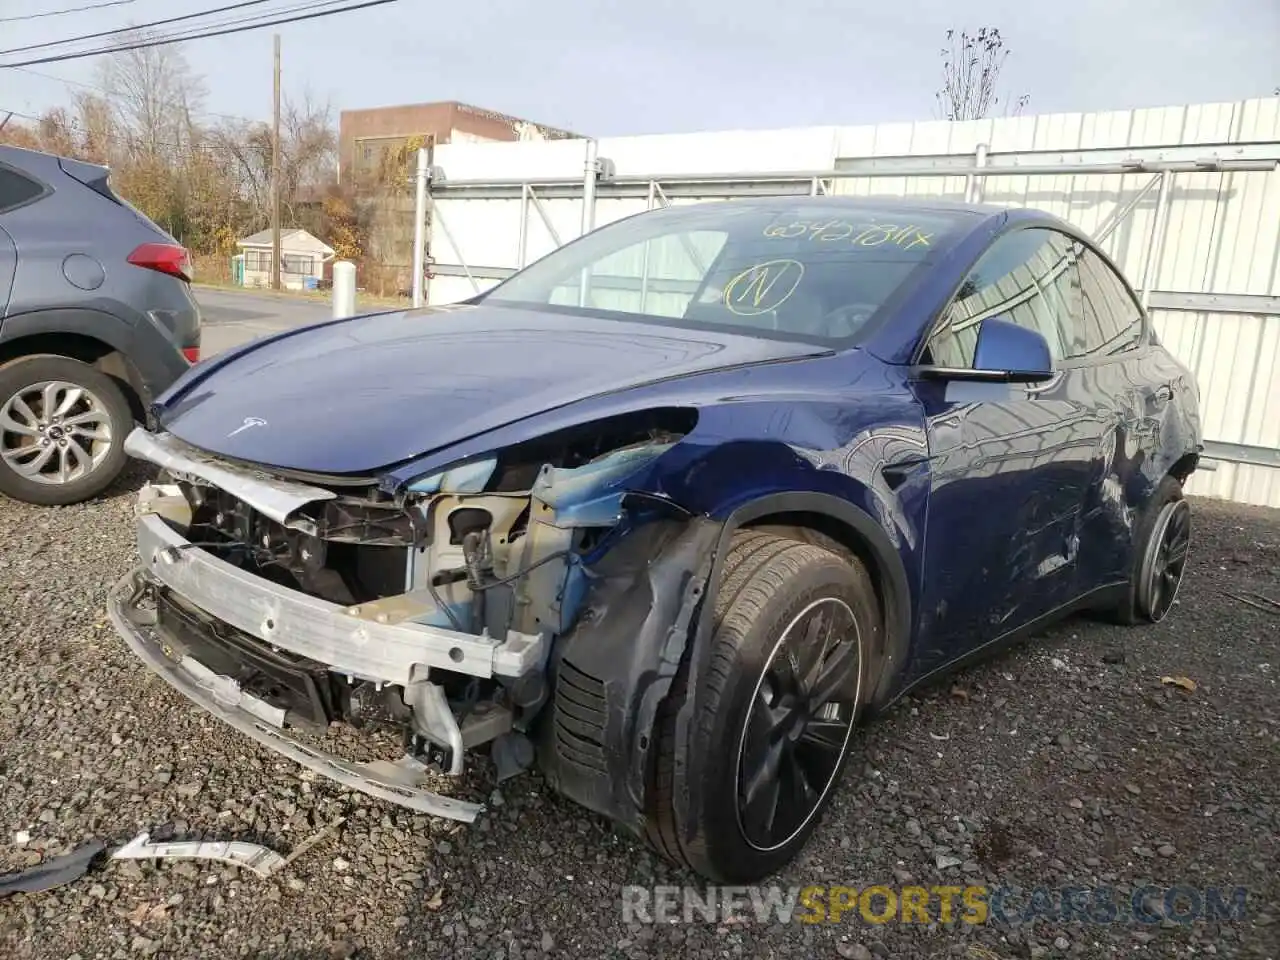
(977,215)
(836,202)
(33,162)
(924,205)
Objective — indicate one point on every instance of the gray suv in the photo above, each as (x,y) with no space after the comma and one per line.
(96,319)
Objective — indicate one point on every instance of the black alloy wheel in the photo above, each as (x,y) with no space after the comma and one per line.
(799,723)
(1166,560)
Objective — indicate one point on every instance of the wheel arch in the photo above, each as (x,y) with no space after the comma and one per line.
(824,513)
(44,334)
(648,619)
(854,530)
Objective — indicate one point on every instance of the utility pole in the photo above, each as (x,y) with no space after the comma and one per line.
(275,177)
(420,228)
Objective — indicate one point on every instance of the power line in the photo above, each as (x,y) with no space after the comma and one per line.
(135,29)
(195,32)
(58,13)
(19,113)
(73,126)
(162,41)
(110,93)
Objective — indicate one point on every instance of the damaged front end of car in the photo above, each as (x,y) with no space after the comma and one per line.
(445,609)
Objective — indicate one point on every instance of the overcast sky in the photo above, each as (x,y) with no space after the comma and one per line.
(613,67)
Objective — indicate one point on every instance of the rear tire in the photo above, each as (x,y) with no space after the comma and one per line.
(797,630)
(1161,543)
(62,429)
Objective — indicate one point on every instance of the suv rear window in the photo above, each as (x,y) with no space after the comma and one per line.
(15,189)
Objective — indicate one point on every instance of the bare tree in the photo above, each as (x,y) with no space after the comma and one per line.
(971,65)
(246,150)
(308,152)
(208,185)
(56,132)
(155,95)
(96,122)
(82,130)
(309,149)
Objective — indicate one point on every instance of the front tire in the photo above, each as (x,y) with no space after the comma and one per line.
(797,629)
(62,430)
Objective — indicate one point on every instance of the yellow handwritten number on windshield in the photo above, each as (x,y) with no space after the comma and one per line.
(763,287)
(862,235)
(787,231)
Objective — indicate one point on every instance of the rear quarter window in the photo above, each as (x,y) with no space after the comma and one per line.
(17,190)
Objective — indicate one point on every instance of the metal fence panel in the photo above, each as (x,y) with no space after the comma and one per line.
(1202,244)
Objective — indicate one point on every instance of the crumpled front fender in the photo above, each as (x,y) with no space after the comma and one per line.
(614,669)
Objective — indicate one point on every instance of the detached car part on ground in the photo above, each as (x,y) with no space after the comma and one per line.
(96,321)
(668,510)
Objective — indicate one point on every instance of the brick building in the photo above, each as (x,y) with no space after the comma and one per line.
(364,135)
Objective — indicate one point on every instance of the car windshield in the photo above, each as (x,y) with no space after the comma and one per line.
(812,272)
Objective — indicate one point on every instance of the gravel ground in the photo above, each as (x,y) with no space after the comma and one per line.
(1064,763)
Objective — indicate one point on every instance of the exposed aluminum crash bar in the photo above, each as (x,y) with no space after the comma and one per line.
(398,782)
(387,652)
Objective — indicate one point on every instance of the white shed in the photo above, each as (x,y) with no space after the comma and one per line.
(302,259)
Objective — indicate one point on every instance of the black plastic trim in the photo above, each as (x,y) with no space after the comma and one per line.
(45,189)
(157,361)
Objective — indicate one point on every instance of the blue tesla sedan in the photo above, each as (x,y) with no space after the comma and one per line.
(665,513)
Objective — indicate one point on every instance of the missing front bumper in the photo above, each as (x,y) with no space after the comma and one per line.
(390,648)
(397,782)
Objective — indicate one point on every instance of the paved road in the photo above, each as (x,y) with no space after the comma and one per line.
(231,318)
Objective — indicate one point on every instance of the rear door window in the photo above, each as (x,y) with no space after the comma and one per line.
(1112,318)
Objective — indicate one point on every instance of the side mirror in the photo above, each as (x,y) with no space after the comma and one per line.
(1021,354)
(1006,353)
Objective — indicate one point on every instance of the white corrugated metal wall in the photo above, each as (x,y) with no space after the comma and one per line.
(1223,228)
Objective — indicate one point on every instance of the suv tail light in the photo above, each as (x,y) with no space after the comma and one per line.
(166,257)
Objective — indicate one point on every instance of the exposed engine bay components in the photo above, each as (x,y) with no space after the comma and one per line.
(286,607)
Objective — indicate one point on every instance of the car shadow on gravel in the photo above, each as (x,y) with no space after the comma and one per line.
(132,479)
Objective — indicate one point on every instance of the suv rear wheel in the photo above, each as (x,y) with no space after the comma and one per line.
(62,430)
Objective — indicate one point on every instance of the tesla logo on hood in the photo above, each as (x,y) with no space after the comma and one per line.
(249,424)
